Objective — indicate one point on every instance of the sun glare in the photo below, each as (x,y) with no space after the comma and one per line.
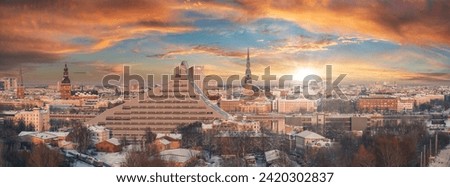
(300,74)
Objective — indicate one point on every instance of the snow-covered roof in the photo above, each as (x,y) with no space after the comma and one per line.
(112,159)
(309,134)
(9,112)
(171,135)
(59,134)
(24,133)
(44,135)
(178,155)
(272,155)
(114,141)
(207,126)
(96,128)
(164,141)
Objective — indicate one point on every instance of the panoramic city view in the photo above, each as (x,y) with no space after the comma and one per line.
(216,83)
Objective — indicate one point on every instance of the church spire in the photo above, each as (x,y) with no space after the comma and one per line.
(66,75)
(248,72)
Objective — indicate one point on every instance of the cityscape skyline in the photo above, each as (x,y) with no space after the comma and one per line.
(410,46)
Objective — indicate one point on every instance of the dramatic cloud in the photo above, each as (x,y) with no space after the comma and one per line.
(298,44)
(43,31)
(416,22)
(284,34)
(277,47)
(105,68)
(200,49)
(429,77)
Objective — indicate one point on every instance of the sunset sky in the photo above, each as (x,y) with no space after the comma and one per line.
(407,41)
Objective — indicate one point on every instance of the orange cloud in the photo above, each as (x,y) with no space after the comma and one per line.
(294,45)
(54,28)
(200,49)
(417,22)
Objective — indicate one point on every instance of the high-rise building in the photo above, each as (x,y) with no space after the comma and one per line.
(165,107)
(20,91)
(248,72)
(65,86)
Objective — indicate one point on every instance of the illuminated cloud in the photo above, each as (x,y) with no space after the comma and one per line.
(283,34)
(200,49)
(298,44)
(45,31)
(415,22)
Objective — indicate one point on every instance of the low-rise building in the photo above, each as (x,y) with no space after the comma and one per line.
(98,133)
(310,139)
(232,125)
(421,99)
(59,139)
(167,141)
(179,157)
(286,106)
(258,105)
(377,103)
(109,145)
(359,123)
(405,104)
(39,118)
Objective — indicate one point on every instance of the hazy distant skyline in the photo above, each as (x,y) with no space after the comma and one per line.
(402,41)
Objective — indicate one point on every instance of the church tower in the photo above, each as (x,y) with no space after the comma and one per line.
(248,72)
(65,87)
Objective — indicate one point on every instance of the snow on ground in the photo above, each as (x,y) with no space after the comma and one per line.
(178,155)
(80,163)
(443,158)
(115,159)
(112,159)
(215,161)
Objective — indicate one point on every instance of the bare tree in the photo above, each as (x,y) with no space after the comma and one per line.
(148,157)
(149,136)
(2,159)
(387,151)
(82,137)
(43,156)
(192,135)
(364,158)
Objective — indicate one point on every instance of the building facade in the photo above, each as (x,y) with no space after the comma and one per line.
(286,106)
(310,139)
(39,118)
(10,83)
(65,86)
(179,102)
(377,103)
(405,104)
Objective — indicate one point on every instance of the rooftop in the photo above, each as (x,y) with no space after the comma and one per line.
(114,141)
(309,134)
(178,155)
(170,135)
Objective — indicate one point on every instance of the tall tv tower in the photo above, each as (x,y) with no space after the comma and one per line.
(20,92)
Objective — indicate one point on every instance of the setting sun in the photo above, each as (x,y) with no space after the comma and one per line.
(300,74)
